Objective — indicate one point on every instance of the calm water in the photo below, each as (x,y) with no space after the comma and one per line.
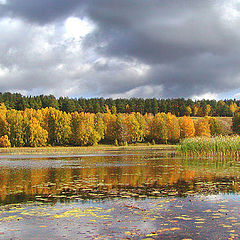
(119,195)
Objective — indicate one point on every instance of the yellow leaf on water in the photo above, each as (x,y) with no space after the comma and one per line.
(151,234)
(226,226)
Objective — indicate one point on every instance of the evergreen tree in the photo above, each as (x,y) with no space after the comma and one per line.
(236,123)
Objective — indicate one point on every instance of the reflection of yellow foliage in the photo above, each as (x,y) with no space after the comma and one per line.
(46,181)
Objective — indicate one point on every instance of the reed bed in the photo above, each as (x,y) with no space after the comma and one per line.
(213,146)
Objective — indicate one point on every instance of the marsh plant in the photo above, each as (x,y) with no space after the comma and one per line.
(219,145)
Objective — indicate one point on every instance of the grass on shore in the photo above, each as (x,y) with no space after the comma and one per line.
(223,145)
(84,150)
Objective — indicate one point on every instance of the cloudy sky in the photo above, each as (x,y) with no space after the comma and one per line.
(121,48)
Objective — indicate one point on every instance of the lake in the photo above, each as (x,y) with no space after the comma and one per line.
(150,194)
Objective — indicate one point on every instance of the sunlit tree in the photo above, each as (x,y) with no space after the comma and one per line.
(173,128)
(4,142)
(187,127)
(16,127)
(36,136)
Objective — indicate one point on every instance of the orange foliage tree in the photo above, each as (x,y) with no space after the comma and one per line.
(203,127)
(157,128)
(187,127)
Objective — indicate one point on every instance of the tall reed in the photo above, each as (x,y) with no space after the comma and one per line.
(219,145)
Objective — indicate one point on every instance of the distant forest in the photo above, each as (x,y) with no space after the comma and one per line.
(178,107)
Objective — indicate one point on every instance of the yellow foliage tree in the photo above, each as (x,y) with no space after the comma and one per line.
(107,109)
(233,108)
(208,110)
(83,129)
(4,142)
(36,135)
(188,111)
(17,125)
(4,126)
(114,110)
(110,122)
(142,130)
(99,125)
(173,128)
(129,128)
(57,123)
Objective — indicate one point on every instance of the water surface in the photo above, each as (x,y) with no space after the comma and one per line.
(119,195)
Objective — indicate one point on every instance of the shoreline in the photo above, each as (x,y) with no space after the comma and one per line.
(101,148)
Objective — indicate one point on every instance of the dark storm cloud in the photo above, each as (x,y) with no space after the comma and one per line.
(197,46)
(176,48)
(41,11)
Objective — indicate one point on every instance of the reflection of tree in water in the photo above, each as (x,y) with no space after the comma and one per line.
(121,176)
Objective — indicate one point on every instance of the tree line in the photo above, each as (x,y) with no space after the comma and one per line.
(179,107)
(52,127)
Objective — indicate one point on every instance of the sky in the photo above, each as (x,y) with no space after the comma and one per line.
(121,48)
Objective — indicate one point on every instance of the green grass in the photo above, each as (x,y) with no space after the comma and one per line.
(223,145)
(84,150)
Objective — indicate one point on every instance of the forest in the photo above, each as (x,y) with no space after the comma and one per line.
(52,127)
(179,107)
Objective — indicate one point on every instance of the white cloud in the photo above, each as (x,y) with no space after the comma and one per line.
(142,91)
(3,72)
(237,96)
(77,28)
(229,10)
(209,95)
